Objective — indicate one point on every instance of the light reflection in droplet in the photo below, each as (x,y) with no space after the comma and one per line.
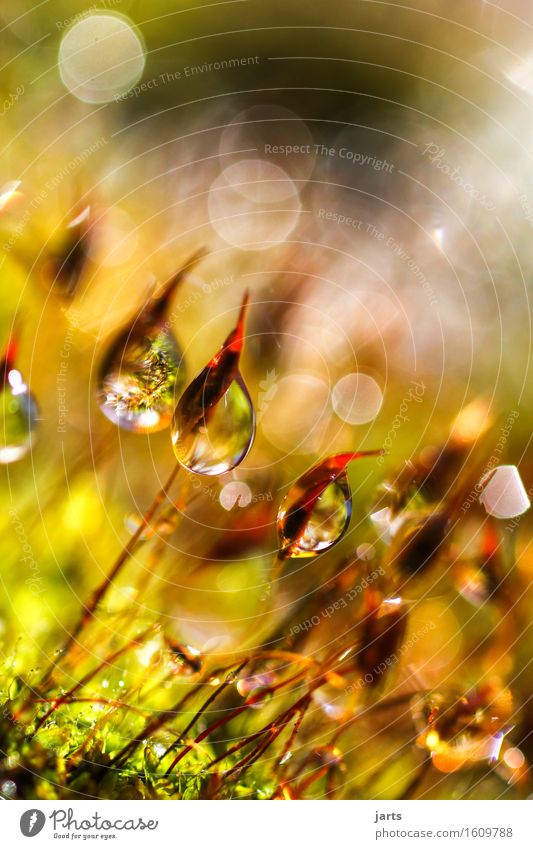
(113,238)
(278,133)
(300,433)
(253,204)
(521,75)
(514,758)
(9,192)
(365,551)
(101,57)
(150,652)
(18,418)
(8,788)
(15,381)
(235,492)
(438,237)
(357,398)
(81,218)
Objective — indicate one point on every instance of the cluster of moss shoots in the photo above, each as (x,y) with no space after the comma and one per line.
(317,710)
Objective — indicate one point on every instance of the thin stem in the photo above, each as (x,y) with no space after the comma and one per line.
(252,700)
(284,717)
(241,745)
(256,753)
(386,704)
(229,680)
(95,700)
(90,607)
(301,711)
(159,720)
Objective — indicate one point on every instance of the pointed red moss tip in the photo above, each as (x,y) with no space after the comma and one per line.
(244,307)
(237,336)
(171,285)
(11,349)
(342,460)
(199,254)
(373,600)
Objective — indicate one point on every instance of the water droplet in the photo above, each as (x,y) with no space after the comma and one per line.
(163,526)
(143,368)
(472,582)
(333,702)
(460,731)
(316,511)
(138,378)
(133,521)
(214,422)
(8,788)
(184,658)
(18,410)
(254,683)
(328,755)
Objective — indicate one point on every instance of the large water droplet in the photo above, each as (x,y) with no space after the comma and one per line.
(18,412)
(143,369)
(327,521)
(214,422)
(138,379)
(184,659)
(461,730)
(220,441)
(316,511)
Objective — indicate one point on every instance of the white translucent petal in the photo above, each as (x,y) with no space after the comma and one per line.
(504,495)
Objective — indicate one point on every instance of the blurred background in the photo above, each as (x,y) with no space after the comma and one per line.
(364,169)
